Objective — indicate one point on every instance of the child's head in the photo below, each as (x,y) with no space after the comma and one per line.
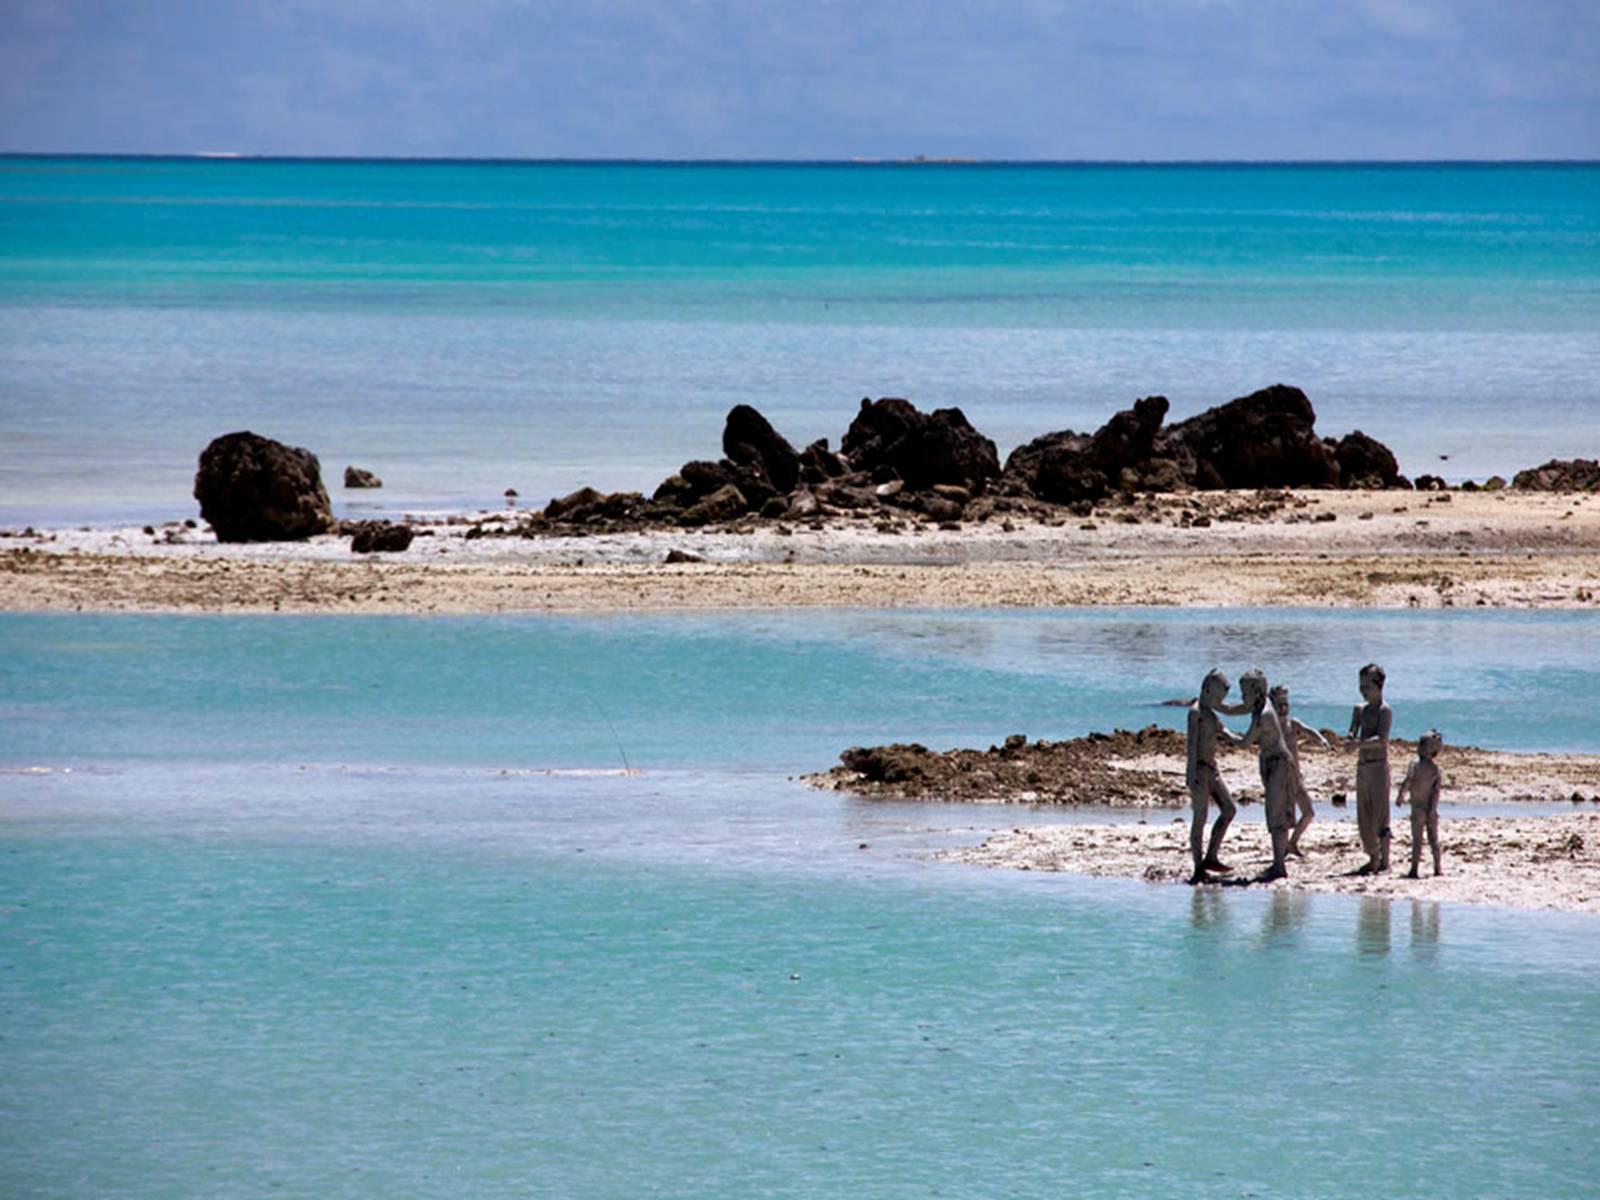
(1279,695)
(1214,687)
(1253,688)
(1429,745)
(1372,680)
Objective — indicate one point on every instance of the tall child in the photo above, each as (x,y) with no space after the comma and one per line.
(1369,730)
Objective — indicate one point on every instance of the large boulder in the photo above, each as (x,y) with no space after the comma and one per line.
(1560,475)
(360,477)
(749,438)
(1265,439)
(253,489)
(892,438)
(1364,461)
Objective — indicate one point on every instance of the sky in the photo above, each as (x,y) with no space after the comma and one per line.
(805,79)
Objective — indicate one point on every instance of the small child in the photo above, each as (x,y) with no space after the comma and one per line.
(1423,782)
(1292,728)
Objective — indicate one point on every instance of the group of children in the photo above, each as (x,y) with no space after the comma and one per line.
(1276,735)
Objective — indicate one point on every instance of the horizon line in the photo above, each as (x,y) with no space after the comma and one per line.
(919,160)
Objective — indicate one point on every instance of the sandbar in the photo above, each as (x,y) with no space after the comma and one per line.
(1391,549)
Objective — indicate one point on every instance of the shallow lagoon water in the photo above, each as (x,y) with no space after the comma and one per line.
(295,907)
(776,691)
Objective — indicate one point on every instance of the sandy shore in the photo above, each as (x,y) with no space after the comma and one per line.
(1520,862)
(1326,549)
(1523,861)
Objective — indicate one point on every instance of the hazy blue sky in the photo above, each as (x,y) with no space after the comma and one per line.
(805,78)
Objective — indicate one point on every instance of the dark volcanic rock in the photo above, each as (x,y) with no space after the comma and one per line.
(1064,467)
(587,505)
(357,477)
(1265,439)
(818,463)
(703,479)
(572,502)
(1364,461)
(1085,770)
(724,504)
(749,438)
(372,537)
(1560,475)
(891,438)
(253,489)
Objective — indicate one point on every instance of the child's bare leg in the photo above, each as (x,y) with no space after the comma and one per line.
(1279,803)
(1225,814)
(1433,840)
(1418,830)
(1303,799)
(1197,840)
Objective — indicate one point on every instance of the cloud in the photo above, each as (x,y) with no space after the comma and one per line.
(831,78)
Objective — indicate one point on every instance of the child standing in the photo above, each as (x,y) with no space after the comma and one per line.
(1369,730)
(1278,769)
(1423,781)
(1293,727)
(1205,783)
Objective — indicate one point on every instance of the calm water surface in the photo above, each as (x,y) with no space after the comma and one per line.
(461,328)
(294,907)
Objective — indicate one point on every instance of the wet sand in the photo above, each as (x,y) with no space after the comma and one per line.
(1549,862)
(1322,549)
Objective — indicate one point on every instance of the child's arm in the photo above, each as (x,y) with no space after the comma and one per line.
(1405,786)
(1192,764)
(1251,735)
(1304,728)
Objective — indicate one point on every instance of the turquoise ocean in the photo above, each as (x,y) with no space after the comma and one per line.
(361,906)
(461,328)
(356,906)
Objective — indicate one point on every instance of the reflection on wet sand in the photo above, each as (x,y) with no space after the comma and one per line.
(1425,926)
(1285,913)
(1372,927)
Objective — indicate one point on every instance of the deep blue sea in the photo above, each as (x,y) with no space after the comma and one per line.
(461,328)
(344,907)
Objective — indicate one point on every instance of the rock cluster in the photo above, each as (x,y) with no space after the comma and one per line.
(1265,440)
(1560,475)
(896,463)
(253,489)
(360,477)
(1088,770)
(893,458)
